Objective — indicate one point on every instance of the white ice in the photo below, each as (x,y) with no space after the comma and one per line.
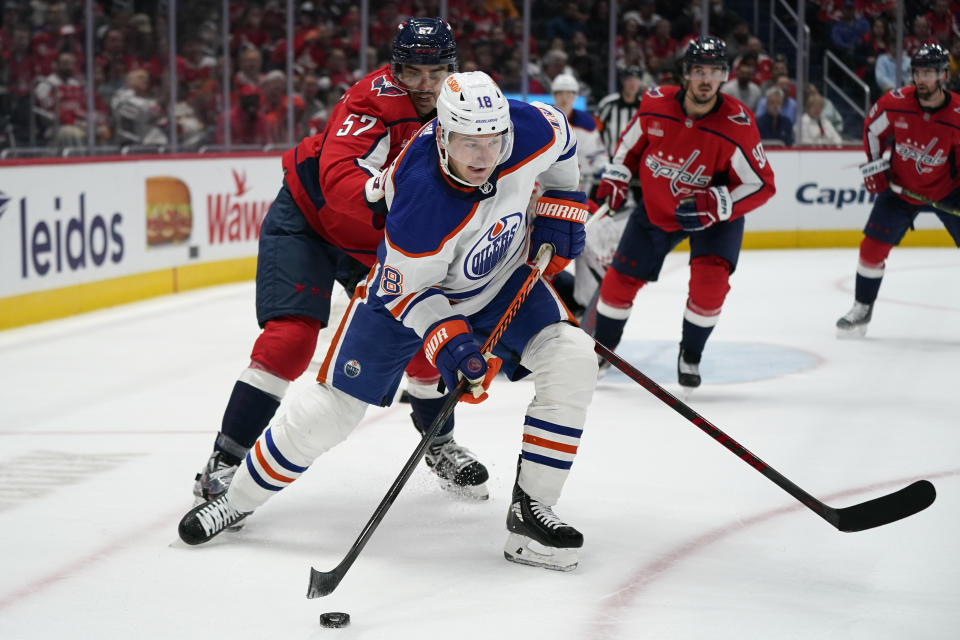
(105,418)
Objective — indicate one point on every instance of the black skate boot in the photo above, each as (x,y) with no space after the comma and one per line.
(854,324)
(688,370)
(213,481)
(208,520)
(538,537)
(458,469)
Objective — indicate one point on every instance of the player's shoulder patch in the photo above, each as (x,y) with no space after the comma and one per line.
(741,116)
(382,86)
(898,94)
(654,92)
(535,125)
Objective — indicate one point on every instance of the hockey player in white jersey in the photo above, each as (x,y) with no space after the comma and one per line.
(453,258)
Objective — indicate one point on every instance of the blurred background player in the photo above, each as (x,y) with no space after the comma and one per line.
(701,167)
(450,265)
(592,156)
(922,126)
(323,227)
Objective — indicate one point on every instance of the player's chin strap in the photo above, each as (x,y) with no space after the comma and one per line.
(323,583)
(916,196)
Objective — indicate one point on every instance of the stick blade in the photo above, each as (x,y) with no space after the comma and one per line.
(322,583)
(886,509)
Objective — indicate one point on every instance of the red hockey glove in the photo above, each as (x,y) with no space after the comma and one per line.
(876,175)
(559,221)
(449,346)
(614,182)
(704,208)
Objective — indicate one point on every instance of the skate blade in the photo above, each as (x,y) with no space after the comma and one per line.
(477,492)
(853,333)
(524,550)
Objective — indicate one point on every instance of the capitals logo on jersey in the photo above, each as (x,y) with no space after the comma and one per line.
(386,88)
(493,245)
(909,150)
(678,172)
(742,118)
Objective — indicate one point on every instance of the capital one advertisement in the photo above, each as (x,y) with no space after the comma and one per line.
(67,224)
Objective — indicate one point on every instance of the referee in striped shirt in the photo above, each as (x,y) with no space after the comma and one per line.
(615,111)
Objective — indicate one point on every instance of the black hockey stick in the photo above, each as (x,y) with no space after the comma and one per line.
(933,203)
(866,515)
(323,583)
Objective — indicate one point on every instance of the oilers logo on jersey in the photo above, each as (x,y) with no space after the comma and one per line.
(678,173)
(351,368)
(492,246)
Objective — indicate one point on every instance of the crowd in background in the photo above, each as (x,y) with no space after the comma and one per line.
(43,62)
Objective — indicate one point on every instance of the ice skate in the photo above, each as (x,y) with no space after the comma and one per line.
(603,366)
(213,481)
(688,373)
(854,324)
(458,469)
(208,520)
(537,537)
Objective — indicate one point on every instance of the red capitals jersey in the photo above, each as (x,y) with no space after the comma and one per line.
(326,173)
(674,155)
(924,158)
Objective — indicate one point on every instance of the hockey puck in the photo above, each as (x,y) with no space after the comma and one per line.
(334,619)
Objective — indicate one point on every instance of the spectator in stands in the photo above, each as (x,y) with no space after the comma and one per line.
(789,109)
(646,17)
(251,32)
(848,31)
(953,71)
(137,116)
(830,111)
(563,26)
(21,69)
(660,44)
(871,45)
(762,66)
(814,128)
(737,39)
(247,124)
(554,63)
(249,67)
(772,125)
(194,67)
(885,69)
(722,19)
(743,88)
(61,100)
(943,23)
(777,69)
(586,66)
(919,36)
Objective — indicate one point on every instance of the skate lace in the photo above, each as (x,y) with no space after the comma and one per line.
(217,515)
(545,515)
(458,456)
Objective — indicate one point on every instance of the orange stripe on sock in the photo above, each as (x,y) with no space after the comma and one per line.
(266,467)
(549,444)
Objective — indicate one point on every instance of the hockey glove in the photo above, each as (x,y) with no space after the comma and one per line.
(876,175)
(614,181)
(449,346)
(704,208)
(559,221)
(375,198)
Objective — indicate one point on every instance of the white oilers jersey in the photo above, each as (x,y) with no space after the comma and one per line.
(449,249)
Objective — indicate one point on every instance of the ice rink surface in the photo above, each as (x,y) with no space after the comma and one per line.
(105,419)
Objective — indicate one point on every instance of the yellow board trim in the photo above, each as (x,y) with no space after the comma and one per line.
(39,306)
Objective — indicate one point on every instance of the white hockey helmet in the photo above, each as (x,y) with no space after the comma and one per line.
(475,128)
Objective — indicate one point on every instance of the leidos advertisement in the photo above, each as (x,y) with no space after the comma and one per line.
(68,224)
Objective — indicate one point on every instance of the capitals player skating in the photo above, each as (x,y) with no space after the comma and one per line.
(453,258)
(701,166)
(921,124)
(320,229)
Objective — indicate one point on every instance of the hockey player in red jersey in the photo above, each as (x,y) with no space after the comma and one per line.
(701,166)
(325,225)
(921,124)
